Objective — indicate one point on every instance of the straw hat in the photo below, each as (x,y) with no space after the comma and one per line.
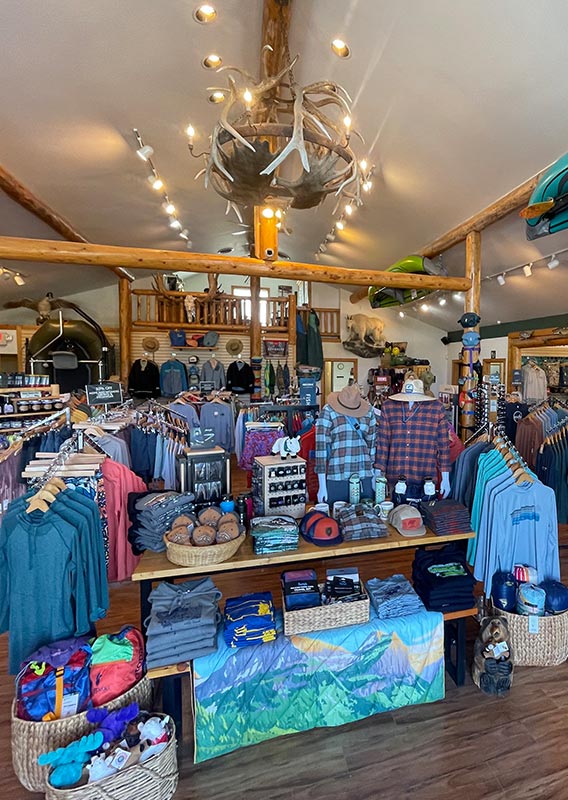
(234,347)
(413,392)
(151,344)
(349,402)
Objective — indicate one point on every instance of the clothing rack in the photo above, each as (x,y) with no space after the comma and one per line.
(67,449)
(289,410)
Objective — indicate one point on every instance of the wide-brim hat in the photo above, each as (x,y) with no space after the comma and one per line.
(151,344)
(349,402)
(413,392)
(234,347)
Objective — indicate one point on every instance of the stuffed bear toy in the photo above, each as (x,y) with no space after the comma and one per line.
(492,669)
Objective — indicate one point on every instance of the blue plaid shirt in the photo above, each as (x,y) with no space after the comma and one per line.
(344,447)
(413,440)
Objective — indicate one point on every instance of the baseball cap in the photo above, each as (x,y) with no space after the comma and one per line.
(407,520)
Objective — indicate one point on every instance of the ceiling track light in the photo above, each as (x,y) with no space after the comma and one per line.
(501,280)
(442,301)
(18,279)
(527,269)
(340,224)
(553,263)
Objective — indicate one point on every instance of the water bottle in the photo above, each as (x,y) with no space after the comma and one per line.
(242,509)
(354,488)
(380,489)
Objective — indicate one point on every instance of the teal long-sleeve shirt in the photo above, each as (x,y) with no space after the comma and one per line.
(43,596)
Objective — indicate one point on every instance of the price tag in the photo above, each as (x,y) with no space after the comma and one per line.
(69,705)
(533,623)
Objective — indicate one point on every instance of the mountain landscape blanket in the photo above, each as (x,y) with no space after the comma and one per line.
(319,679)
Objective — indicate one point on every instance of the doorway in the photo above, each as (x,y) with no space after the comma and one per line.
(338,373)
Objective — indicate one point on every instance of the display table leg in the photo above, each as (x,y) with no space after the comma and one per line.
(171,701)
(145,605)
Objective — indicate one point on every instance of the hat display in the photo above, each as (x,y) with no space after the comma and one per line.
(151,344)
(471,339)
(234,347)
(349,402)
(407,520)
(413,391)
(469,320)
(193,360)
(210,339)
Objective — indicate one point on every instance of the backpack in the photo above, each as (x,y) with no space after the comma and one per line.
(118,663)
(54,681)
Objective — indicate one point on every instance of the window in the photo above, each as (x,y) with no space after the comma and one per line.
(303,291)
(244,291)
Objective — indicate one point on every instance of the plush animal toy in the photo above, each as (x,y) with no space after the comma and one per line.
(68,762)
(492,669)
(367,329)
(286,446)
(153,737)
(112,724)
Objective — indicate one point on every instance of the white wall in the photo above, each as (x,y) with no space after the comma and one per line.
(423,340)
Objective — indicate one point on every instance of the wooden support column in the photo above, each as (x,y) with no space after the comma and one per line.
(255,338)
(292,307)
(471,304)
(125,326)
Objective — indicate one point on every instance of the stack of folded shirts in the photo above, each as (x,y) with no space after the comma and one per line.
(153,514)
(274,534)
(360,522)
(445,517)
(393,597)
(249,620)
(443,579)
(183,622)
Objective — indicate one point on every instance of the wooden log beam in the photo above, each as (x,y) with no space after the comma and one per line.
(17,249)
(16,190)
(255,327)
(276,16)
(513,200)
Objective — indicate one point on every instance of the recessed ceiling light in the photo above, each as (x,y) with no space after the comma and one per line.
(442,301)
(212,61)
(498,322)
(424,307)
(217,97)
(204,14)
(458,295)
(340,48)
(267,213)
(224,250)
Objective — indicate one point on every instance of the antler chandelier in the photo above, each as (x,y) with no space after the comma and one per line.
(281,143)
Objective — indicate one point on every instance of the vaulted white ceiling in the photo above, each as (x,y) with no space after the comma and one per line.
(458,103)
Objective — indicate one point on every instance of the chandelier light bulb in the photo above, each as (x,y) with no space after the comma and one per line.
(156,182)
(553,263)
(367,186)
(527,269)
(278,213)
(501,280)
(18,279)
(190,131)
(204,14)
(267,213)
(347,123)
(247,97)
(145,152)
(363,165)
(349,209)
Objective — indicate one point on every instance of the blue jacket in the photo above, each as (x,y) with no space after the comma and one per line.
(173,378)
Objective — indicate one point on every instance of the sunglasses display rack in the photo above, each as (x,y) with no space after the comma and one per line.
(279,486)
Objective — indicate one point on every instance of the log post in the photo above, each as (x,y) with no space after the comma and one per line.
(255,337)
(471,304)
(125,326)
(292,303)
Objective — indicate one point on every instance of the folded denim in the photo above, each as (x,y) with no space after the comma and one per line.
(393,597)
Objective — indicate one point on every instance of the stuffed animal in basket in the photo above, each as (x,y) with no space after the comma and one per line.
(112,724)
(67,762)
(286,446)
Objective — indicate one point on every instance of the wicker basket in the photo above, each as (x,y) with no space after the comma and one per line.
(321,618)
(30,739)
(546,648)
(155,779)
(191,556)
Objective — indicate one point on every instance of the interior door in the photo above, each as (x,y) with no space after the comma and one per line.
(338,373)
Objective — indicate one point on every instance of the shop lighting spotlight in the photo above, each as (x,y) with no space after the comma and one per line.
(169,208)
(175,224)
(340,225)
(212,61)
(401,314)
(527,269)
(501,280)
(204,14)
(442,301)
(145,152)
(18,279)
(553,263)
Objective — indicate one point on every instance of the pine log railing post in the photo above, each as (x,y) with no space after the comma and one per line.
(471,304)
(125,326)
(291,321)
(255,343)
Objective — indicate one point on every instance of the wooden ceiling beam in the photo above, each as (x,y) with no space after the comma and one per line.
(276,16)
(513,200)
(132,258)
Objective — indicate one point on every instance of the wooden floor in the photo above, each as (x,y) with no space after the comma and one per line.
(466,746)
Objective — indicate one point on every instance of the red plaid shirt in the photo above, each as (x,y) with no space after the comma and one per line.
(413,440)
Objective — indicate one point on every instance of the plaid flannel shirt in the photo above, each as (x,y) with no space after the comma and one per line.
(341,448)
(413,440)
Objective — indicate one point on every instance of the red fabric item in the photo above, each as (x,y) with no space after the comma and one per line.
(110,679)
(456,445)
(119,481)
(307,451)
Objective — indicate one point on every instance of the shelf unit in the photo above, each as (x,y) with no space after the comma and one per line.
(27,394)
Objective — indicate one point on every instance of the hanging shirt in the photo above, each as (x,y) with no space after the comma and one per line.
(345,445)
(240,378)
(219,417)
(187,412)
(144,379)
(214,373)
(173,378)
(412,440)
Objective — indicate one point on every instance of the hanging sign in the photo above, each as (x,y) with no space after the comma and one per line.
(517,377)
(107,393)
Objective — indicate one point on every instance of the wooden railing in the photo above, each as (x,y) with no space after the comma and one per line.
(224,312)
(330,322)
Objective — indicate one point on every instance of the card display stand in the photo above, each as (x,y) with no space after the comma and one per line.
(279,486)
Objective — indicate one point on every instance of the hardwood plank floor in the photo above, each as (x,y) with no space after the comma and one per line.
(468,746)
